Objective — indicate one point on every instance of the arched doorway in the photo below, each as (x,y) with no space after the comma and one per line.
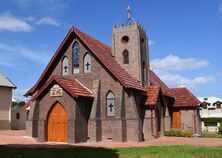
(57,124)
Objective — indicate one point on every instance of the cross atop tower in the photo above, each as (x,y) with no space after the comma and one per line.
(129,11)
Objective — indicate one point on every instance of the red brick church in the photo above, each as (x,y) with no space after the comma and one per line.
(92,92)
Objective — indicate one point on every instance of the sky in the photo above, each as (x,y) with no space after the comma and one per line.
(185,37)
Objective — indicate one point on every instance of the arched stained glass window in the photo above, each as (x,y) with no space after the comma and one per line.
(76,54)
(87,63)
(65,66)
(110,104)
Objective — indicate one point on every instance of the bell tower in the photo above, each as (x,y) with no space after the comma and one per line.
(130,48)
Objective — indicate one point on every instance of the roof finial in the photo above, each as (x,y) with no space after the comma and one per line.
(129,12)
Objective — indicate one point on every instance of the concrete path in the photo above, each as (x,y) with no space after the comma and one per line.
(17,138)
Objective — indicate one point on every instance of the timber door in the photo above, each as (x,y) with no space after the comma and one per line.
(176,121)
(57,124)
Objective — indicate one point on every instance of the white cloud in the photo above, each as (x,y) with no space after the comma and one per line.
(30,19)
(202,80)
(11,23)
(167,67)
(174,80)
(18,94)
(47,21)
(220,7)
(22,52)
(172,62)
(151,42)
(43,5)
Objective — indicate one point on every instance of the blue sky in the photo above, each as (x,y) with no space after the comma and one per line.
(185,37)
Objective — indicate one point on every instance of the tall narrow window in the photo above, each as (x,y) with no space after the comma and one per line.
(17,116)
(65,66)
(218,106)
(144,71)
(110,104)
(87,63)
(125,57)
(76,53)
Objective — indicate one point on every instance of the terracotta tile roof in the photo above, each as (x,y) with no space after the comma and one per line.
(27,105)
(73,87)
(103,53)
(183,97)
(152,95)
(155,92)
(155,80)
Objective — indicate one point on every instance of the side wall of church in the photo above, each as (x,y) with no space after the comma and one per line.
(189,119)
(32,120)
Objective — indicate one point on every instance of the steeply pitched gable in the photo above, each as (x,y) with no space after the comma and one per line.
(155,80)
(103,53)
(73,87)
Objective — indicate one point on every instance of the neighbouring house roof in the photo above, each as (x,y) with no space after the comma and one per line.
(183,97)
(73,87)
(27,105)
(209,99)
(5,82)
(103,53)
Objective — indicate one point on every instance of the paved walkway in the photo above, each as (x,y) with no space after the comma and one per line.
(18,138)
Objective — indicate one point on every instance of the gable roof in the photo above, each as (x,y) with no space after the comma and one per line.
(152,95)
(5,82)
(209,99)
(155,80)
(103,53)
(154,92)
(27,105)
(73,87)
(183,97)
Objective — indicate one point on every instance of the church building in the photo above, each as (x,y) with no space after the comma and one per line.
(92,92)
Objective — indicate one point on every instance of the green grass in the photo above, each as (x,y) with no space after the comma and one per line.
(210,135)
(134,152)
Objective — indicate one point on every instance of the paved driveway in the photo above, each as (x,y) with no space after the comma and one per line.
(18,138)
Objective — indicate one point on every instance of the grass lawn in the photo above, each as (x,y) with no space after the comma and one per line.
(210,135)
(134,152)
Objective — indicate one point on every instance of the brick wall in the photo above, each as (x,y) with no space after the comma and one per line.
(45,105)
(126,125)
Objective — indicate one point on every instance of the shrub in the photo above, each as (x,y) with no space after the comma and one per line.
(210,135)
(187,133)
(220,129)
(211,119)
(174,133)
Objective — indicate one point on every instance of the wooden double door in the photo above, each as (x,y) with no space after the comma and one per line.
(57,124)
(176,120)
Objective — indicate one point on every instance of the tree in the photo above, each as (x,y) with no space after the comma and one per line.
(20,103)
